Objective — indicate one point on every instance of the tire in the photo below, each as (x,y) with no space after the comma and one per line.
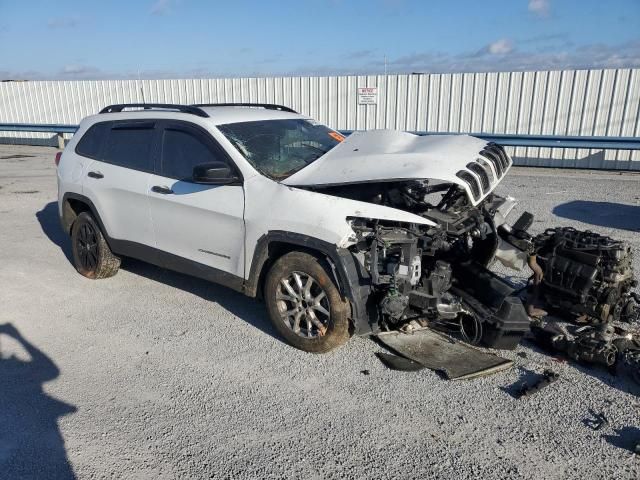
(316,332)
(92,257)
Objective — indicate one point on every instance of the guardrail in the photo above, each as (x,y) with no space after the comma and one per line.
(59,130)
(505,139)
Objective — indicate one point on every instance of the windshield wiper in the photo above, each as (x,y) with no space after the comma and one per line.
(284,175)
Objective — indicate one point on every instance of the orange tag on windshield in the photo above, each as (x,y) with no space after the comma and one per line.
(336,136)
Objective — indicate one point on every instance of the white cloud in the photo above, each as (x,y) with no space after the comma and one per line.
(500,47)
(625,55)
(539,7)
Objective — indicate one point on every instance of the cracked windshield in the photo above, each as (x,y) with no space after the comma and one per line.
(279,148)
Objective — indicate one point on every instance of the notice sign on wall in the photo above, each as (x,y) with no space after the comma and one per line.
(367,95)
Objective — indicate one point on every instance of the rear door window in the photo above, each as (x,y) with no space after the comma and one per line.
(182,149)
(130,145)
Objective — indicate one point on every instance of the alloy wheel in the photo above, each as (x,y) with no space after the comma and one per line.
(303,305)
(87,246)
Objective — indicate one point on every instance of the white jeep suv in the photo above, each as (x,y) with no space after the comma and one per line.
(340,236)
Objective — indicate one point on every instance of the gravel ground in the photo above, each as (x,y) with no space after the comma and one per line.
(152,374)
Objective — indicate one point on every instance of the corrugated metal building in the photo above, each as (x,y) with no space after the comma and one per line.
(569,102)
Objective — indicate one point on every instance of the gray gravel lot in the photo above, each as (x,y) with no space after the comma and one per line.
(152,374)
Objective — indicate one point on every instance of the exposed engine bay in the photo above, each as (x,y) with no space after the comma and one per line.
(438,275)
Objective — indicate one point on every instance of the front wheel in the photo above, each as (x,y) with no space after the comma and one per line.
(304,304)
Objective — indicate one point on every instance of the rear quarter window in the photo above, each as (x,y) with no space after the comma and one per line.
(91,142)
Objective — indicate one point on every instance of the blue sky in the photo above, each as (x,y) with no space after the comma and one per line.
(85,39)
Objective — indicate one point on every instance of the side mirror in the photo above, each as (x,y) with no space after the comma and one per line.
(214,173)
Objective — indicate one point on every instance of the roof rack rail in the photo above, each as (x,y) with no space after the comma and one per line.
(192,109)
(268,106)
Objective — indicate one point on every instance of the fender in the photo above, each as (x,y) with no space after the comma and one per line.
(352,280)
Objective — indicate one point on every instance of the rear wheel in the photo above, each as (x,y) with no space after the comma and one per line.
(92,256)
(304,304)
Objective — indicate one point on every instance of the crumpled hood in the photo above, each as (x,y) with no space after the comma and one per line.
(389,155)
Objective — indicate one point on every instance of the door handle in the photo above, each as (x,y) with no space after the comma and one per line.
(95,175)
(162,190)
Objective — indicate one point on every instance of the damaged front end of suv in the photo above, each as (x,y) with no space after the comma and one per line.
(438,274)
(434,273)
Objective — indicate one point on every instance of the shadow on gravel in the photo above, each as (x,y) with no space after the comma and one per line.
(602,214)
(248,309)
(31,445)
(50,224)
(626,437)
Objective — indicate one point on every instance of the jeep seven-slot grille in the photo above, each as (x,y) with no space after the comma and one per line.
(486,171)
(498,158)
(493,176)
(471,181)
(482,175)
(494,159)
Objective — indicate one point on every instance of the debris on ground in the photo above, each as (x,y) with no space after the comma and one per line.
(606,345)
(630,363)
(598,421)
(546,378)
(452,358)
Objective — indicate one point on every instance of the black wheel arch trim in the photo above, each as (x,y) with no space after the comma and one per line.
(66,221)
(351,279)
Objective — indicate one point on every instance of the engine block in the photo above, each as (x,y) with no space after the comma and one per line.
(587,275)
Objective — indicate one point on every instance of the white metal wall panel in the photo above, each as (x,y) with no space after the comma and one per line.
(571,102)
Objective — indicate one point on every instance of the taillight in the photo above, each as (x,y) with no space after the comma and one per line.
(58,155)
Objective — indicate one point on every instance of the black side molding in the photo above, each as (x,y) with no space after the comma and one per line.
(175,263)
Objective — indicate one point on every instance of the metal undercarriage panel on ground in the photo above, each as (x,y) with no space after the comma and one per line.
(454,359)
